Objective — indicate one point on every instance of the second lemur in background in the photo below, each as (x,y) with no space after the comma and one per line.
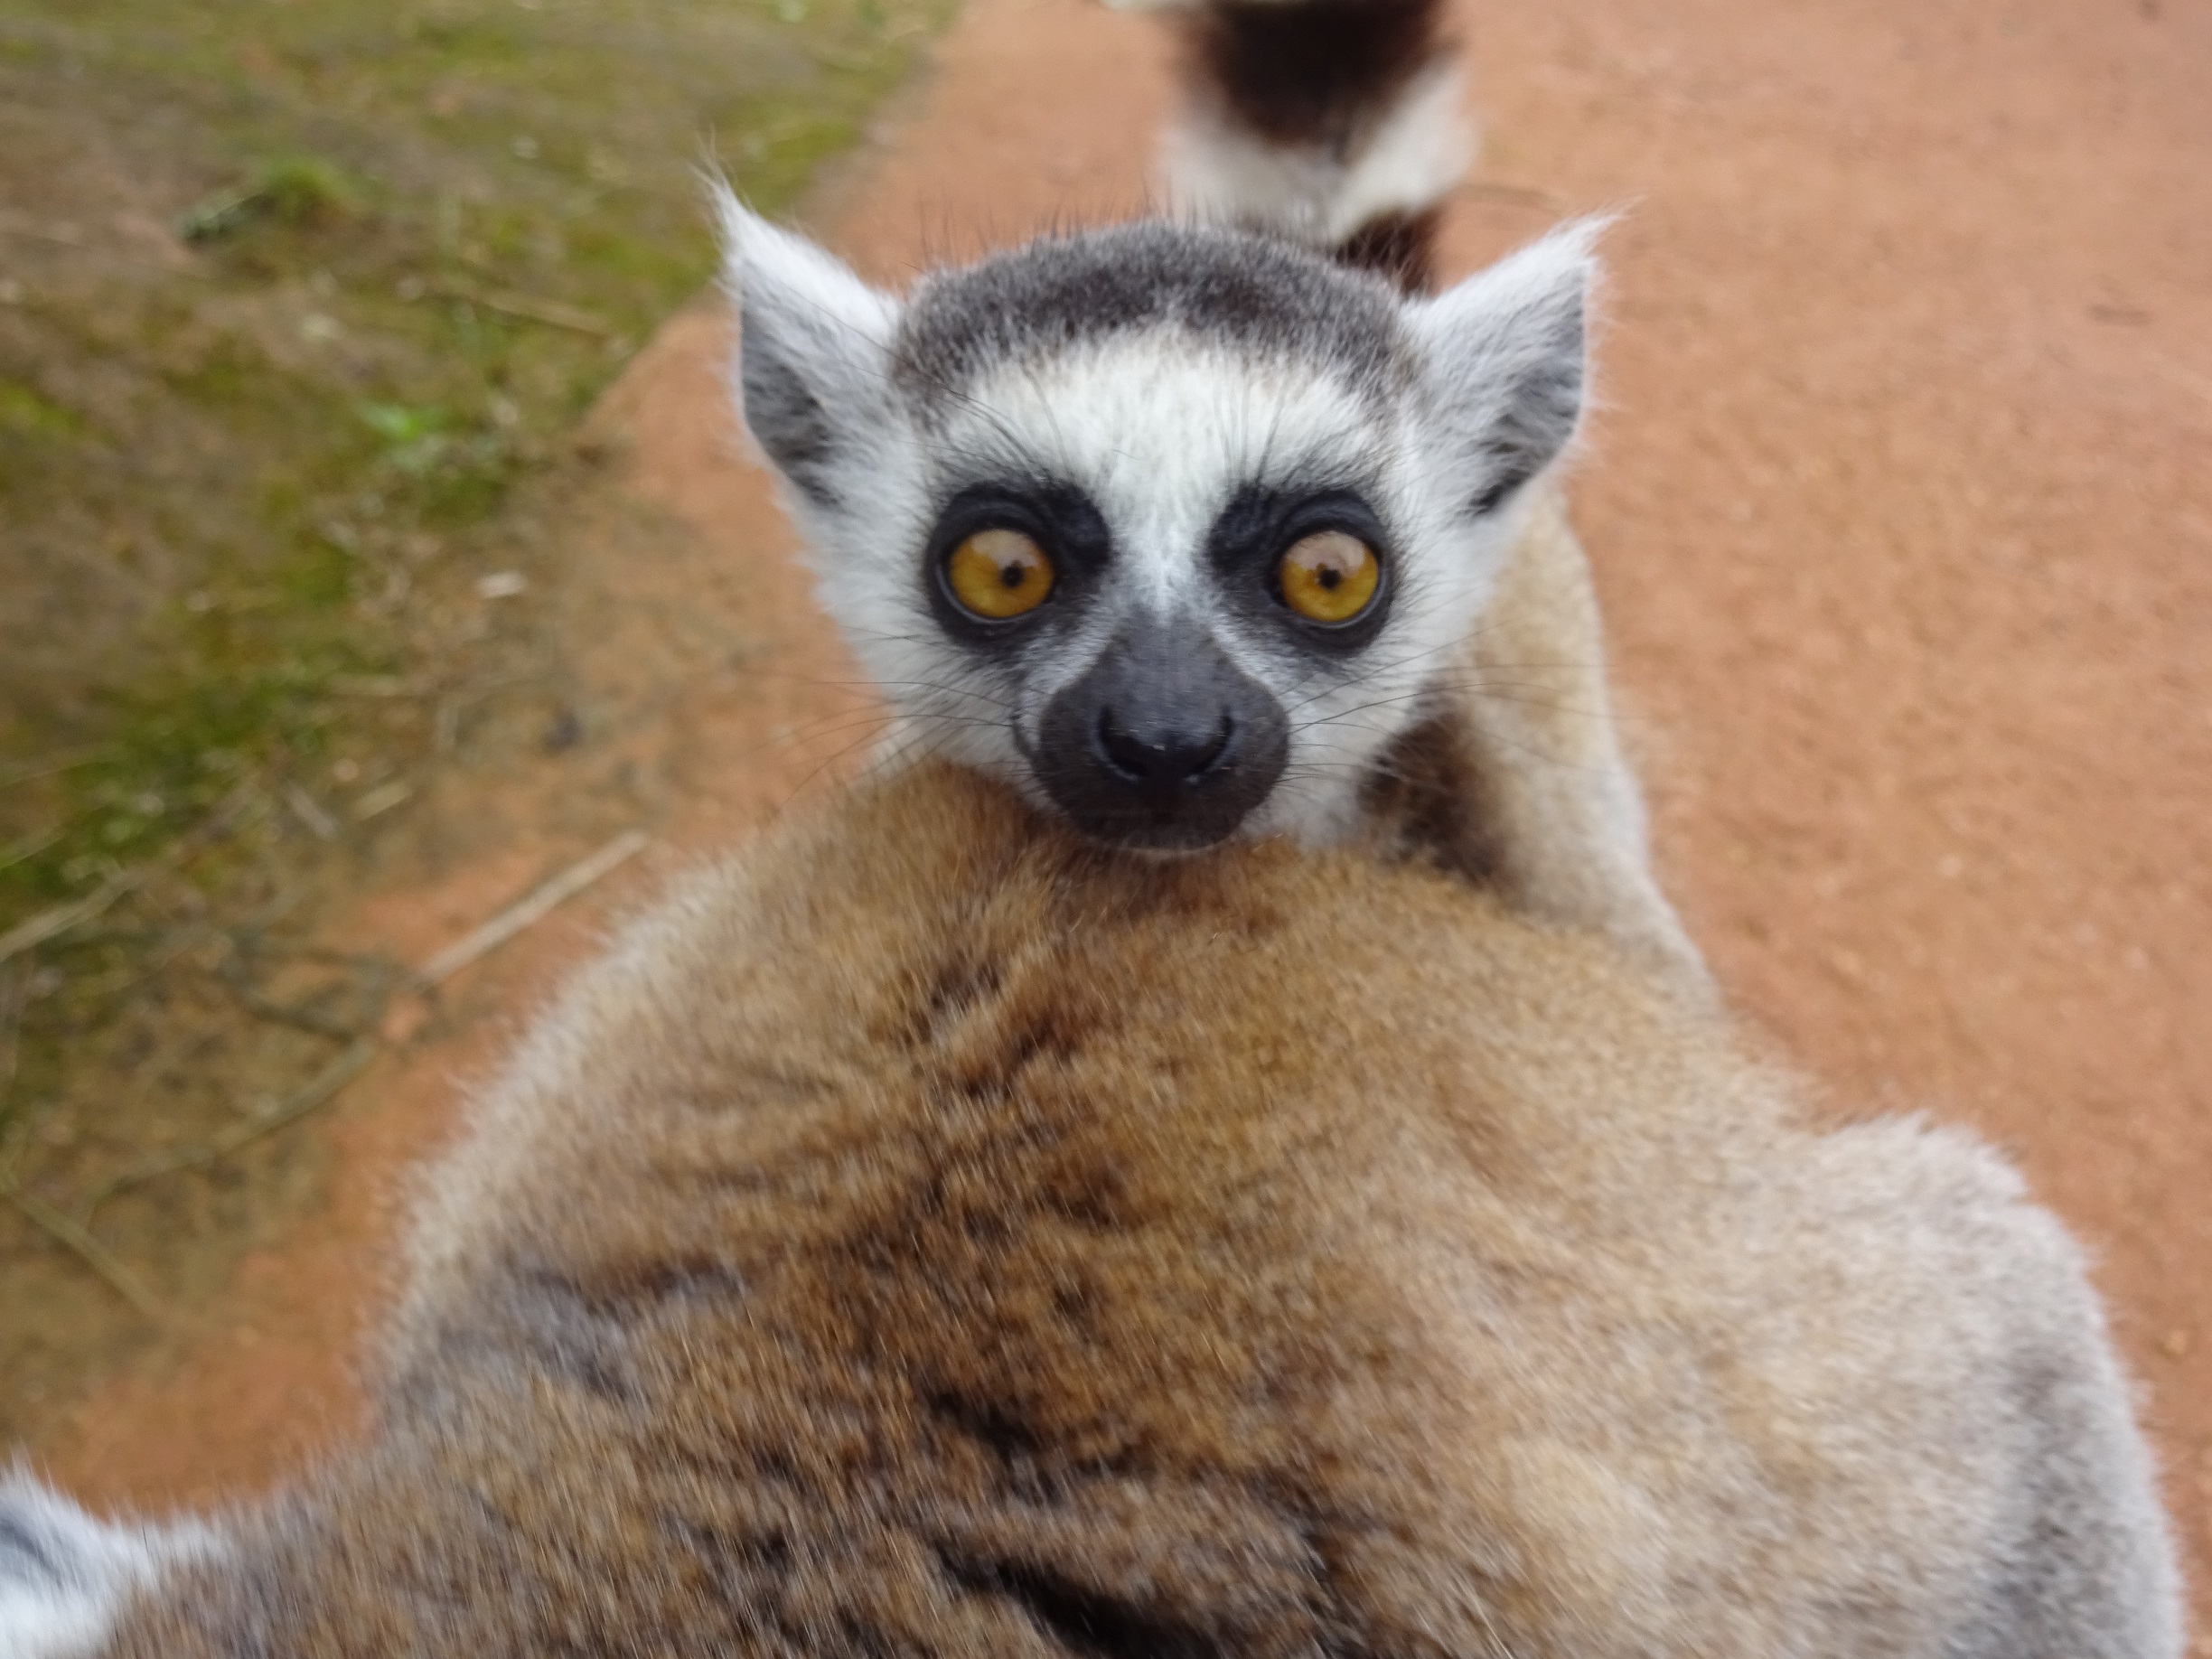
(1339,124)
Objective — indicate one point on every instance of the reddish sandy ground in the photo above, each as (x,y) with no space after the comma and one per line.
(1901,500)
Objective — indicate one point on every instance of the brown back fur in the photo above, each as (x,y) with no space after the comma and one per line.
(933,1236)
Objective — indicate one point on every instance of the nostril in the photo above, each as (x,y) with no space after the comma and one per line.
(1170,752)
(1120,748)
(1208,755)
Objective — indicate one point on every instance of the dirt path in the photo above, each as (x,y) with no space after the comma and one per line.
(1902,506)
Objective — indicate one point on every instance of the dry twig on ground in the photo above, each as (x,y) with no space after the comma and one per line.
(73,1232)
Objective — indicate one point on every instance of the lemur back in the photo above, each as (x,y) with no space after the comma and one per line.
(938,1235)
(1219,1148)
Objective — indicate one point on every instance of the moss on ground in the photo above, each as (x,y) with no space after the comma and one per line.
(407,246)
(297,297)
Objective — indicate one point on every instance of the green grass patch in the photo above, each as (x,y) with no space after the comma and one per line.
(25,414)
(303,191)
(298,300)
(414,241)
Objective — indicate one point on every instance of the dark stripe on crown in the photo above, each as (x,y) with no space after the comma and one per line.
(1254,292)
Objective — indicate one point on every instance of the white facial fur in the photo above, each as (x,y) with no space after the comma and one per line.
(1160,426)
(1160,431)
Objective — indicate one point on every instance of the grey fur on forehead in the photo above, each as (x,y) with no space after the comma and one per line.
(1260,296)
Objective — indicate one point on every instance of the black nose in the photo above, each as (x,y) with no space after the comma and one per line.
(1163,751)
(1165,743)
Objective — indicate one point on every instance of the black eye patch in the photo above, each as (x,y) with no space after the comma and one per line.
(1058,517)
(1247,543)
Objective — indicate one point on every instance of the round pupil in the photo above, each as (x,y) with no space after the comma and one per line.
(1330,576)
(1012,574)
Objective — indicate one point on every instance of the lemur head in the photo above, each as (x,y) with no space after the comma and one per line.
(1174,529)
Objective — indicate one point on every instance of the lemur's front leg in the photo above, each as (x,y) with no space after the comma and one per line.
(1519,781)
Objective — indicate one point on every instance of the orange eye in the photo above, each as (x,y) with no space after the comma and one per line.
(1330,576)
(999,573)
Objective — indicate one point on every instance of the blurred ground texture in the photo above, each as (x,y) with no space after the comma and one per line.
(1901,500)
(300,306)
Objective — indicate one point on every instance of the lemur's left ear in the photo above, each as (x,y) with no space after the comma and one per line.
(1504,357)
(814,351)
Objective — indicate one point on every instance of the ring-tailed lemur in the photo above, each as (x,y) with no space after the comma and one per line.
(1227,526)
(1175,527)
(939,1236)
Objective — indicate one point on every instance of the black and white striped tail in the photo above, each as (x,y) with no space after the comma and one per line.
(1336,123)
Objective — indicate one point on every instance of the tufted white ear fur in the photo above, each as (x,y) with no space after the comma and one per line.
(1503,356)
(813,352)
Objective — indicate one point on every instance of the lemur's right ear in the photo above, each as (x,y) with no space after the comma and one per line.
(813,352)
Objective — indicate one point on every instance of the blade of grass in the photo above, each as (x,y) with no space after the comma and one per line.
(39,928)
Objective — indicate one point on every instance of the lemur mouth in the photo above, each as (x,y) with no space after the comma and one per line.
(1165,745)
(1185,820)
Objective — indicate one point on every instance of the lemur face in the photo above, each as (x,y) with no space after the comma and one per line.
(1173,529)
